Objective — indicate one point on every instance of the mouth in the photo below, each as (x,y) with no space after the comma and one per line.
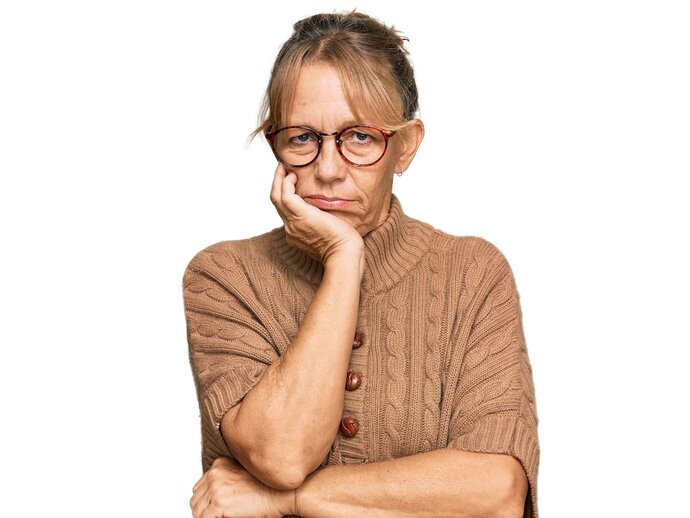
(327,202)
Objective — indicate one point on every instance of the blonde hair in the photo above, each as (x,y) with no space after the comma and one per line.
(370,59)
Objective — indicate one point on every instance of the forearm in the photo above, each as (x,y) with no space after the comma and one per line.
(287,422)
(438,483)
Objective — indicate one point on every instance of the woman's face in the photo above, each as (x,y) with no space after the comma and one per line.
(358,195)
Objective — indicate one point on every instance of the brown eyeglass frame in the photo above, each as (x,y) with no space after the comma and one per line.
(270,136)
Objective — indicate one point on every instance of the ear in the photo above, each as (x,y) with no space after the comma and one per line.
(411,138)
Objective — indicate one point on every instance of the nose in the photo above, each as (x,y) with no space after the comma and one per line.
(329,165)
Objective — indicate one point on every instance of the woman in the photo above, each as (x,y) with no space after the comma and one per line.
(356,359)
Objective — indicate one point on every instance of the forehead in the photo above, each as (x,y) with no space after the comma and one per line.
(319,98)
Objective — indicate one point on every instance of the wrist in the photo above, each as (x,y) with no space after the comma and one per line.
(351,258)
(285,501)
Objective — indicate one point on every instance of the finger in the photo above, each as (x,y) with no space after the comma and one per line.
(289,198)
(288,186)
(278,178)
(199,490)
(202,503)
(198,483)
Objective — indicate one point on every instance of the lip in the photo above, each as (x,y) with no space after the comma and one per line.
(326,202)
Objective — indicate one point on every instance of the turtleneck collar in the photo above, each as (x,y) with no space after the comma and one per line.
(391,250)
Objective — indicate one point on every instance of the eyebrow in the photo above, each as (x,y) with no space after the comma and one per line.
(344,124)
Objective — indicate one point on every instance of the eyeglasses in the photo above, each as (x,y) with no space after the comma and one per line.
(360,146)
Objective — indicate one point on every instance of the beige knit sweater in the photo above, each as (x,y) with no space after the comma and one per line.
(443,359)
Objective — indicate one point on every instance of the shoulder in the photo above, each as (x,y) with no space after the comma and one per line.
(463,251)
(480,273)
(232,256)
(472,263)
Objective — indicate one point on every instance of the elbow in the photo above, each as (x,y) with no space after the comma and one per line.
(511,493)
(287,481)
(510,510)
(280,476)
(282,468)
(276,469)
(271,464)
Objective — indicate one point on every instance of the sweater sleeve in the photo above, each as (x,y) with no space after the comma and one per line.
(494,405)
(229,348)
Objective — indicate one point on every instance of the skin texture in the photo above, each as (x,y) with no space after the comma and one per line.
(275,471)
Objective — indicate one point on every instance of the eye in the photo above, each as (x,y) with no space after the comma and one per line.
(302,139)
(359,136)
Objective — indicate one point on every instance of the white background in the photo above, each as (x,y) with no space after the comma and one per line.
(557,130)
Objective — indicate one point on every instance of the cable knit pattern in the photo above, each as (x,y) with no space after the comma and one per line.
(396,388)
(444,362)
(432,379)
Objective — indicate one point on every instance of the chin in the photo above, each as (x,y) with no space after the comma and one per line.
(360,226)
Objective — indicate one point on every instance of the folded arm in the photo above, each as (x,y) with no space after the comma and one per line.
(285,426)
(438,483)
(444,482)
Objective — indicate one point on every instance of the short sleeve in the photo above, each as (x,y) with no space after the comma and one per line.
(229,350)
(494,407)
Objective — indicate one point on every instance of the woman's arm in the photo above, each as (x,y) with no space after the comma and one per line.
(437,483)
(286,424)
(284,427)
(444,482)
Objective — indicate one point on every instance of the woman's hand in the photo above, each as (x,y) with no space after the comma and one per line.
(316,232)
(228,490)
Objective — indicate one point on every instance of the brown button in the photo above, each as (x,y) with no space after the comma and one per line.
(349,426)
(353,380)
(357,342)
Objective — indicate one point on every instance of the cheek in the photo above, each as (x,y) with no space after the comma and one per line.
(376,188)
(303,179)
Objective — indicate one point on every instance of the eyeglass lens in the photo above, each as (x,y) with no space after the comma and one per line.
(360,145)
